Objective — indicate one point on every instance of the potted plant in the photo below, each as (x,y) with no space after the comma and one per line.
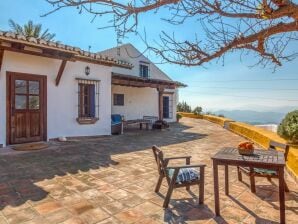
(288,129)
(178,117)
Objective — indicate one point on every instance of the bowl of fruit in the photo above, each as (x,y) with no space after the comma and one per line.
(246,148)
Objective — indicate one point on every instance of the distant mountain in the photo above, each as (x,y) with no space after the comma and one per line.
(263,108)
(253,117)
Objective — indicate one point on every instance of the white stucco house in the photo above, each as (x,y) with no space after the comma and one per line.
(49,90)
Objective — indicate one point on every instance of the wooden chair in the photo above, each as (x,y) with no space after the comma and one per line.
(171,177)
(256,172)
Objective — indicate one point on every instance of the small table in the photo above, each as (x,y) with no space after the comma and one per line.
(265,159)
(139,121)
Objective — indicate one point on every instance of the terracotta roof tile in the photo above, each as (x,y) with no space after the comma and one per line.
(13,37)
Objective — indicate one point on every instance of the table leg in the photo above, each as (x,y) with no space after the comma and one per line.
(282,195)
(227,179)
(141,126)
(216,188)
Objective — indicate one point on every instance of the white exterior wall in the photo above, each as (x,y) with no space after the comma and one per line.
(139,102)
(130,54)
(62,100)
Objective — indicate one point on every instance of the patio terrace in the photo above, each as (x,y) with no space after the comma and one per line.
(112,179)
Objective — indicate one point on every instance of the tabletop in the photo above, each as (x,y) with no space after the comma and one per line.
(264,157)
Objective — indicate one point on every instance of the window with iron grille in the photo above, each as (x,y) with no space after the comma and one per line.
(118,99)
(144,70)
(88,101)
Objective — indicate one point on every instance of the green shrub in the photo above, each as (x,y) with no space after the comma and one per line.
(183,107)
(197,110)
(288,129)
(178,117)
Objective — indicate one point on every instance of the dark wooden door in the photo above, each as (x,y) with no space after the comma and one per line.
(26,107)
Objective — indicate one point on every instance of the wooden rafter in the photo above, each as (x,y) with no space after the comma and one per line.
(1,57)
(60,72)
(48,53)
(133,81)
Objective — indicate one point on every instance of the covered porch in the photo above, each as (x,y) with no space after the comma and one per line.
(135,97)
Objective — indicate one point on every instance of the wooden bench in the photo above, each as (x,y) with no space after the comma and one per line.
(141,122)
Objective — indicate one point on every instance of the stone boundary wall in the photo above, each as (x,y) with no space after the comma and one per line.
(255,134)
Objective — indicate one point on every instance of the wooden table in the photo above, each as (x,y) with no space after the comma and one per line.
(139,121)
(266,159)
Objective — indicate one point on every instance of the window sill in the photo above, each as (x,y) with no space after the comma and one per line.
(87,120)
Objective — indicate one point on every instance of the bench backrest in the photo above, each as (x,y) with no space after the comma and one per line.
(159,158)
(152,119)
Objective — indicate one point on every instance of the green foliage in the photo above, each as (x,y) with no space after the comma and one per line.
(183,107)
(197,110)
(178,116)
(31,30)
(210,113)
(288,129)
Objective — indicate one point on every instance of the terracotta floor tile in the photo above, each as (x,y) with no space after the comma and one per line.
(148,208)
(47,207)
(94,216)
(130,216)
(21,216)
(111,220)
(114,207)
(80,207)
(111,179)
(73,220)
(119,194)
(58,216)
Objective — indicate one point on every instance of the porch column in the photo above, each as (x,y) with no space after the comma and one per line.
(160,102)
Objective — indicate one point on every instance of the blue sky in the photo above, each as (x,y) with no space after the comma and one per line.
(212,86)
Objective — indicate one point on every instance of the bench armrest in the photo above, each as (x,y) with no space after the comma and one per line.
(186,166)
(177,157)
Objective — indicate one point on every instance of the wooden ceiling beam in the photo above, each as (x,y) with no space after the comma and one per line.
(60,72)
(141,83)
(128,80)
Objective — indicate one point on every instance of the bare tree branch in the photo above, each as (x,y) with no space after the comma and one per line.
(264,27)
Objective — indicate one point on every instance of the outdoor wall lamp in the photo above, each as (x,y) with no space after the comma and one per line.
(87,70)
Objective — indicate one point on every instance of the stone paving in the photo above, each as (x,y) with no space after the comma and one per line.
(111,180)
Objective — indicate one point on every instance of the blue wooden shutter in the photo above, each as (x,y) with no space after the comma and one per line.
(92,100)
(166,107)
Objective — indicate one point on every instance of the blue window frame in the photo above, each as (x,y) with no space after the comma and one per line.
(144,70)
(118,99)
